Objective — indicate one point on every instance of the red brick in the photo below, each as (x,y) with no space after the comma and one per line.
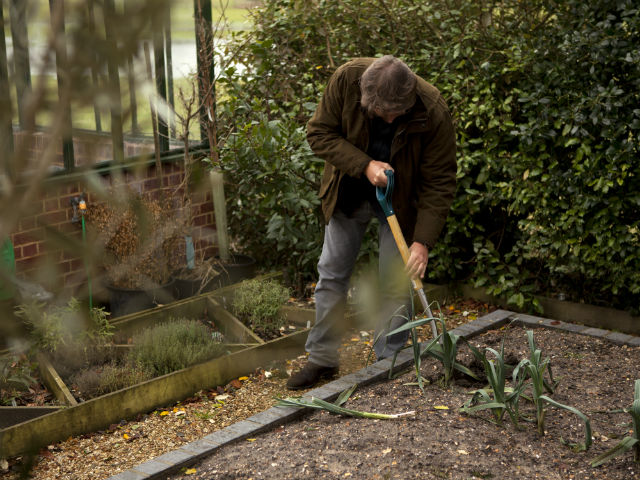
(204,208)
(30,250)
(151,184)
(23,238)
(25,264)
(27,223)
(200,220)
(52,218)
(76,265)
(51,204)
(64,267)
(69,228)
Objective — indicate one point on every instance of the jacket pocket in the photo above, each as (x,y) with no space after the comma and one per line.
(329,178)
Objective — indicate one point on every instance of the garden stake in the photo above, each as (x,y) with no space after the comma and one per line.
(384,199)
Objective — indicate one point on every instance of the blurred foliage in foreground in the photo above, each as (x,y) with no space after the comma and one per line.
(546,98)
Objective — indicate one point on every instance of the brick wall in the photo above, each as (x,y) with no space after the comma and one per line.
(88,147)
(44,238)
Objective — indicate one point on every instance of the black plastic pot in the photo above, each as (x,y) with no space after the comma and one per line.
(123,301)
(188,287)
(239,268)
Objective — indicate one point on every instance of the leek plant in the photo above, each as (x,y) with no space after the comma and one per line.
(497,396)
(337,408)
(444,348)
(628,442)
(536,368)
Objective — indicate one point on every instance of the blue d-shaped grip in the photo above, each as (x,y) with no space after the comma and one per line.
(384,194)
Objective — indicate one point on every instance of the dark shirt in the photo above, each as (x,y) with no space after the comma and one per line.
(354,191)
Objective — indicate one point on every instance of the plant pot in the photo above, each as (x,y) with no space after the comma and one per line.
(188,287)
(123,301)
(239,268)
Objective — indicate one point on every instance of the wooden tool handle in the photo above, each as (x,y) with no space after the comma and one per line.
(402,246)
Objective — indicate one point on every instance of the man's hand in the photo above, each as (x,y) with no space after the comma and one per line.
(418,260)
(375,173)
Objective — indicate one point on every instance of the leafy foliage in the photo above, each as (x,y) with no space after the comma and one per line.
(172,346)
(497,397)
(15,375)
(443,348)
(69,325)
(545,96)
(259,303)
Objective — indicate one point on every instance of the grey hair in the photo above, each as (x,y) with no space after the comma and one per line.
(388,86)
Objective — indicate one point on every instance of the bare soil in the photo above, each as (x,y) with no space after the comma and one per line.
(439,442)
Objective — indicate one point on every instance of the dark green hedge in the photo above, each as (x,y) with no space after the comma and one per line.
(546,99)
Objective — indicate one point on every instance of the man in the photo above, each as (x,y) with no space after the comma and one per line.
(376,115)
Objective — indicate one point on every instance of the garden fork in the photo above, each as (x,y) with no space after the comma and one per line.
(384,199)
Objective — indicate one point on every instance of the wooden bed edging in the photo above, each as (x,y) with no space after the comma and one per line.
(99,413)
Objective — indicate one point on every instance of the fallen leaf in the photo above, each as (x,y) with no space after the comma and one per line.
(441,407)
(179,413)
(251,439)
(242,379)
(190,471)
(386,450)
(163,413)
(125,436)
(235,383)
(222,398)
(463,452)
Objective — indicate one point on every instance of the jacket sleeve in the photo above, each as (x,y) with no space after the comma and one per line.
(438,170)
(325,130)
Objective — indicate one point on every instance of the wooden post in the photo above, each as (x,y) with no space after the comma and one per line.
(161,83)
(117,136)
(56,9)
(20,39)
(220,211)
(206,68)
(6,110)
(169,57)
(94,68)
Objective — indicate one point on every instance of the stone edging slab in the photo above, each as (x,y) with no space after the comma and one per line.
(191,453)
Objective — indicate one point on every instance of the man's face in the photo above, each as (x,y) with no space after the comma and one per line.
(389,117)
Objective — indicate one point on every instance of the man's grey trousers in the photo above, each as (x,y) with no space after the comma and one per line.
(342,239)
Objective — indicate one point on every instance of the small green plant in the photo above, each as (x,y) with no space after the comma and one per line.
(444,348)
(536,368)
(100,380)
(15,376)
(628,442)
(497,396)
(259,301)
(115,377)
(65,325)
(172,346)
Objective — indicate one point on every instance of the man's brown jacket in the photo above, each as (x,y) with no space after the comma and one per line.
(423,152)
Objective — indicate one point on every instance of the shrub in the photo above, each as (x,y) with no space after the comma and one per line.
(95,381)
(172,346)
(259,301)
(544,95)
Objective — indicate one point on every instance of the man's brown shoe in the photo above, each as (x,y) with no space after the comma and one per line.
(310,375)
